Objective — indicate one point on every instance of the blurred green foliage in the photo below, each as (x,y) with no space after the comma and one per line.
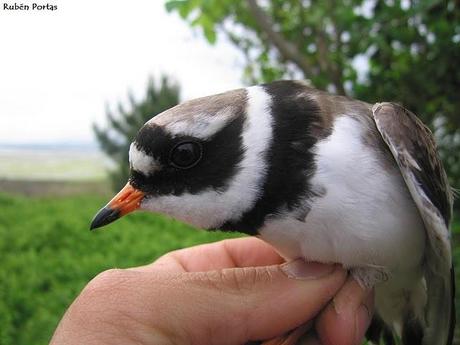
(123,125)
(48,254)
(411,50)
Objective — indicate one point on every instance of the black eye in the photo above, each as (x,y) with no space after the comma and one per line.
(185,155)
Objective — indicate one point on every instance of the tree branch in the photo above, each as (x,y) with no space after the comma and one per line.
(336,72)
(287,49)
(327,65)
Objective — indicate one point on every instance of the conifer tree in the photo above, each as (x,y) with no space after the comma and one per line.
(123,124)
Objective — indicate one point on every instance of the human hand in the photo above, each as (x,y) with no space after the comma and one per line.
(228,292)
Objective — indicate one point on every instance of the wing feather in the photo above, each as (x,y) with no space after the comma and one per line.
(414,150)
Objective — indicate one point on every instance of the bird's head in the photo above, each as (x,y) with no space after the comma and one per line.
(220,162)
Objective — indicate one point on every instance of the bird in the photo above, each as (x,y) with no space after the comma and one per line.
(319,176)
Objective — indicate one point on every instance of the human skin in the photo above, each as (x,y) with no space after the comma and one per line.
(229,292)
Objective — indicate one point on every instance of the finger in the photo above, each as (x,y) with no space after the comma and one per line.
(260,302)
(345,320)
(241,252)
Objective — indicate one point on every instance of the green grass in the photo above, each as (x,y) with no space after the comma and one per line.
(48,255)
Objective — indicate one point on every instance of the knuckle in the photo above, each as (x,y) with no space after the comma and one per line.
(266,274)
(244,280)
(106,282)
(238,280)
(108,298)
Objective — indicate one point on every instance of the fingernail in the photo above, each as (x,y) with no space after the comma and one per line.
(363,319)
(300,269)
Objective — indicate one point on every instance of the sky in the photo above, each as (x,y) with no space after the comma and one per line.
(58,69)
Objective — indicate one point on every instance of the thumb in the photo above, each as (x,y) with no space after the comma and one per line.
(236,305)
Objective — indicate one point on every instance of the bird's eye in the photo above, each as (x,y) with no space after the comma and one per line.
(186,154)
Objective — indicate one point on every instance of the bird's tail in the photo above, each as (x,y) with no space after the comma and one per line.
(434,326)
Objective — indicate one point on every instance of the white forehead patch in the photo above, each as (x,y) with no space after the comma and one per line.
(142,162)
(202,127)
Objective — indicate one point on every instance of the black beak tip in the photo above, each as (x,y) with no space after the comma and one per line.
(105,216)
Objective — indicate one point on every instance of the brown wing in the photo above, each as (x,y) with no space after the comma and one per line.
(414,150)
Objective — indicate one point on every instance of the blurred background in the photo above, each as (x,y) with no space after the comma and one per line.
(77,83)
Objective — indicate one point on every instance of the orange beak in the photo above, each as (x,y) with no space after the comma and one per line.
(126,201)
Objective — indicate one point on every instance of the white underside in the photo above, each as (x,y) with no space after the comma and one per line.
(366,220)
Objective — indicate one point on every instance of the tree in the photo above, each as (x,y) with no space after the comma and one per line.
(123,126)
(394,50)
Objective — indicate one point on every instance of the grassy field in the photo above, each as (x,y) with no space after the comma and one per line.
(48,254)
